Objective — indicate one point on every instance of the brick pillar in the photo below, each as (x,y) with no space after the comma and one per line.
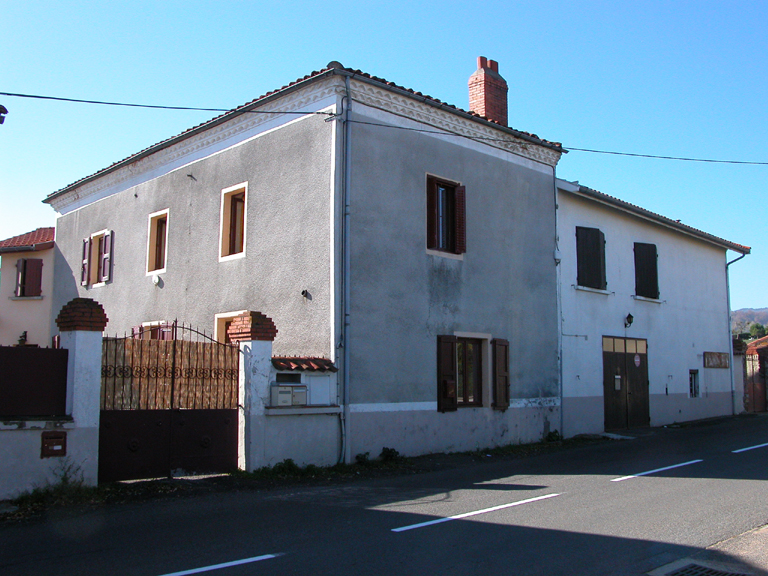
(488,91)
(254,332)
(81,323)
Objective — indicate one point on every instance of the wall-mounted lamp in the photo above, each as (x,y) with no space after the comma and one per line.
(628,321)
(3,112)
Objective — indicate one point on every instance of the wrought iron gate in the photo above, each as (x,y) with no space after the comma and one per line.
(167,405)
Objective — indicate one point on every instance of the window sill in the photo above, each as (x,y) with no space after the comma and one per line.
(302,410)
(35,422)
(593,290)
(451,255)
(25,298)
(155,272)
(645,299)
(235,256)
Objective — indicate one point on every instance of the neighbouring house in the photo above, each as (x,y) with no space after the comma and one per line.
(406,243)
(756,361)
(26,288)
(645,316)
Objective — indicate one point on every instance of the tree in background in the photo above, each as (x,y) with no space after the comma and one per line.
(757,330)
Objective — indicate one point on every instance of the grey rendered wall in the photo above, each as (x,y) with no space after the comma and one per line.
(287,246)
(402,298)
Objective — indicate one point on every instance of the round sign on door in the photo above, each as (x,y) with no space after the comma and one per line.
(637,360)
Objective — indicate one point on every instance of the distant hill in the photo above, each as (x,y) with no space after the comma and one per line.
(741,319)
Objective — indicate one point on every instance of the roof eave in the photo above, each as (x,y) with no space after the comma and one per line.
(652,216)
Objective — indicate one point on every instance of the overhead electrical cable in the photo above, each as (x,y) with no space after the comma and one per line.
(421,130)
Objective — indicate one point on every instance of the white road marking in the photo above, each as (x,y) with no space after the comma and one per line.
(224,565)
(475,513)
(750,448)
(654,471)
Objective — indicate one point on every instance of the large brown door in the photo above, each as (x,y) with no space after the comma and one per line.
(625,383)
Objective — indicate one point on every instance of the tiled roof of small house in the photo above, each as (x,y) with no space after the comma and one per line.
(755,345)
(653,216)
(303,364)
(330,69)
(40,239)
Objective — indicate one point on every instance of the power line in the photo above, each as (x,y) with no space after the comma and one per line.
(421,130)
(59,99)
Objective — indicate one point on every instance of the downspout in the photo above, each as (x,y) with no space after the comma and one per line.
(345,452)
(556,257)
(730,335)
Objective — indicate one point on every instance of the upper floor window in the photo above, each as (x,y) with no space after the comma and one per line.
(29,277)
(590,258)
(157,245)
(96,265)
(446,216)
(646,271)
(233,222)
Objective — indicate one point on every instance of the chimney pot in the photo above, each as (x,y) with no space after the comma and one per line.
(488,92)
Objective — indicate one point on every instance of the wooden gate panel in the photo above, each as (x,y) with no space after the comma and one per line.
(130,444)
(201,440)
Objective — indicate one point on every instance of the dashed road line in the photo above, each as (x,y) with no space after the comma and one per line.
(224,565)
(475,513)
(749,448)
(656,470)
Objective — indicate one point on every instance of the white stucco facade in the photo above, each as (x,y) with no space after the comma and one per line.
(689,318)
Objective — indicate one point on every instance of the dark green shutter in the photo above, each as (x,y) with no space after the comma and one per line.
(646,271)
(590,258)
(500,373)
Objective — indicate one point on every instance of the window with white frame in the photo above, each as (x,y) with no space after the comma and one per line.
(96,267)
(157,244)
(234,205)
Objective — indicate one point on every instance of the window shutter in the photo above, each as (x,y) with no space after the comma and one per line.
(167,331)
(33,277)
(136,332)
(461,219)
(431,213)
(646,271)
(85,268)
(446,374)
(105,270)
(590,258)
(500,373)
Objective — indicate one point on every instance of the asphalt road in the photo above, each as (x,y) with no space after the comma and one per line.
(624,507)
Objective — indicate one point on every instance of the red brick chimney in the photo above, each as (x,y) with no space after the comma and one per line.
(488,91)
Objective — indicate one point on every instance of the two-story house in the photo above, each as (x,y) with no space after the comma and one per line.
(408,242)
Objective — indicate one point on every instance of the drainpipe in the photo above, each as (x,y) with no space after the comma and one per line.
(345,453)
(558,277)
(730,335)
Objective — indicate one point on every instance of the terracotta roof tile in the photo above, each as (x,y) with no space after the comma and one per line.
(31,240)
(303,364)
(254,103)
(755,345)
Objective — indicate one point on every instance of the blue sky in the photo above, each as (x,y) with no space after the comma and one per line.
(665,78)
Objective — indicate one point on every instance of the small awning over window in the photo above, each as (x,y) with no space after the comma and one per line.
(303,364)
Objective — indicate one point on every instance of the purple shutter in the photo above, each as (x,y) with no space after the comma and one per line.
(461,219)
(167,331)
(105,270)
(431,213)
(446,374)
(136,332)
(33,277)
(85,269)
(500,373)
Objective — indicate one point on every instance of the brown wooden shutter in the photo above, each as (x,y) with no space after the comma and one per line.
(33,277)
(167,331)
(460,216)
(431,213)
(646,271)
(446,374)
(500,373)
(85,270)
(105,269)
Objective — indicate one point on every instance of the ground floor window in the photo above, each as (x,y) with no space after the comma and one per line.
(693,383)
